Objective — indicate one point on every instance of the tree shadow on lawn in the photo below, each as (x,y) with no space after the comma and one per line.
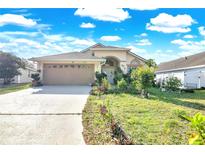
(175,99)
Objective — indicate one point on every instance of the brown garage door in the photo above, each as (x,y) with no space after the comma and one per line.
(68,74)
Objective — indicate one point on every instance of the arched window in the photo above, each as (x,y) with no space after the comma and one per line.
(111,62)
(135,62)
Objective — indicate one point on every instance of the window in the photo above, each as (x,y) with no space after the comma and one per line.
(54,66)
(61,66)
(109,62)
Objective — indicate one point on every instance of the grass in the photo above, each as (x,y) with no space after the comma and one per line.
(146,121)
(13,88)
(96,129)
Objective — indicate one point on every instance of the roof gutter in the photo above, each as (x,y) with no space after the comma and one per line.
(57,60)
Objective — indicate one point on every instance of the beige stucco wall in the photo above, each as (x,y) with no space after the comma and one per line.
(121,55)
(130,58)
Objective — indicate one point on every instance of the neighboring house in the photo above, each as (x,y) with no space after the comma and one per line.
(190,70)
(80,67)
(25,76)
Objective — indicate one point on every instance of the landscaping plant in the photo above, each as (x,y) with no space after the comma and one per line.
(36,79)
(122,85)
(9,66)
(172,84)
(151,63)
(142,79)
(100,77)
(105,85)
(118,75)
(198,124)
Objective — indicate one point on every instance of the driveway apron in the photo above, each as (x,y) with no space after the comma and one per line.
(43,115)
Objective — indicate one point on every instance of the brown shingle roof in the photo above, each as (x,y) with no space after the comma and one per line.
(67,56)
(189,61)
(101,46)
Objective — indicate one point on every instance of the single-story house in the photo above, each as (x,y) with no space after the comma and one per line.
(80,67)
(25,76)
(190,70)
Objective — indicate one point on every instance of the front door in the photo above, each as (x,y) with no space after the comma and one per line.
(110,73)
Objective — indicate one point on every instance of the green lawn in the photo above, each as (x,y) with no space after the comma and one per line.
(13,88)
(146,121)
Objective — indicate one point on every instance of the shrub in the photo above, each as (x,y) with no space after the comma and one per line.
(118,75)
(96,91)
(105,84)
(142,79)
(132,90)
(36,80)
(173,84)
(122,84)
(188,90)
(99,77)
(127,77)
(113,90)
(198,124)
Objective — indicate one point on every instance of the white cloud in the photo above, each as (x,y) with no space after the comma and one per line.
(53,37)
(136,50)
(83,42)
(27,42)
(157,55)
(144,35)
(144,42)
(202,30)
(39,44)
(189,47)
(141,35)
(14,19)
(170,24)
(110,38)
(179,42)
(149,7)
(16,33)
(87,25)
(108,14)
(188,36)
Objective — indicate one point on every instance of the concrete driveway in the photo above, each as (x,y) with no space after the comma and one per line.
(44,115)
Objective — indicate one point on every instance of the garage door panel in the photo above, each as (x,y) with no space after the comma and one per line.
(70,74)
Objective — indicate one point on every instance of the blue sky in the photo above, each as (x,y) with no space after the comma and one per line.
(161,34)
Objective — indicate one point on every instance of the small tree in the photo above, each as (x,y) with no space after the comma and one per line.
(9,66)
(172,83)
(143,78)
(151,63)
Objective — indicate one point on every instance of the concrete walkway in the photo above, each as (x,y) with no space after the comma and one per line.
(45,115)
